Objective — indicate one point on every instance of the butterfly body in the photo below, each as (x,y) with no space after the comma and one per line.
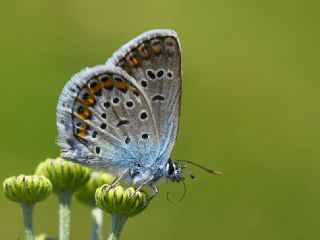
(123,116)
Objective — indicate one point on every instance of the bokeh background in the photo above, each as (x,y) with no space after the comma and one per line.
(251,109)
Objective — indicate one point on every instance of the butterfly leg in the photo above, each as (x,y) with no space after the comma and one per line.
(155,192)
(149,180)
(113,184)
(154,188)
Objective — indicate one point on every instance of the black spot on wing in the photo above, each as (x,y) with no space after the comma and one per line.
(151,74)
(160,73)
(158,98)
(129,104)
(122,122)
(143,115)
(98,149)
(144,84)
(144,136)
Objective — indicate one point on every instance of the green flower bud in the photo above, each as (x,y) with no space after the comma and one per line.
(86,194)
(119,200)
(27,189)
(64,175)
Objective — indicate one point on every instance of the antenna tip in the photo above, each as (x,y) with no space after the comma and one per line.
(217,173)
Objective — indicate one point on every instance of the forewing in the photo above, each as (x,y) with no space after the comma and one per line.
(154,60)
(105,121)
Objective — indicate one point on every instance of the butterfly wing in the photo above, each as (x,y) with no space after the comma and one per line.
(105,120)
(154,60)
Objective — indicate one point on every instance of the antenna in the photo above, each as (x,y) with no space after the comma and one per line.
(200,166)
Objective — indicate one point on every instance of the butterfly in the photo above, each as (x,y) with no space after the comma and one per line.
(123,116)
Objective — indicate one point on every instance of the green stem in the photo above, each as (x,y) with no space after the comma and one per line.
(27,210)
(97,218)
(64,215)
(117,223)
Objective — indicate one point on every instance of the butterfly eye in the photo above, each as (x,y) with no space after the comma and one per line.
(170,168)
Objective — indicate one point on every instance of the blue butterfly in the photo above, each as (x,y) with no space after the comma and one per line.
(123,116)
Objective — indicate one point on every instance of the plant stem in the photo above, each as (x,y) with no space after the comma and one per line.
(64,215)
(27,211)
(97,218)
(117,223)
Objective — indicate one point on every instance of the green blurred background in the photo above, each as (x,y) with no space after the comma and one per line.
(251,109)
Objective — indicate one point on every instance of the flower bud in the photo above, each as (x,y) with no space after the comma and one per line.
(64,175)
(27,189)
(119,200)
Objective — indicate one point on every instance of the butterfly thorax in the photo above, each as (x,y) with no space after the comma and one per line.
(141,174)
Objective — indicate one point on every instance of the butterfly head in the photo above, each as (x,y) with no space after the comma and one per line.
(173,171)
